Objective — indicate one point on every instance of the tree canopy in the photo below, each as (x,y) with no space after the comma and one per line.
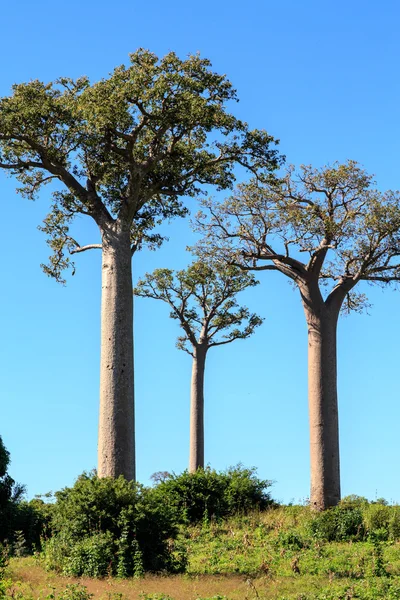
(202,298)
(4,459)
(347,230)
(128,147)
(11,494)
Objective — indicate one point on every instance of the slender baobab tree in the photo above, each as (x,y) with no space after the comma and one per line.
(350,233)
(203,299)
(123,152)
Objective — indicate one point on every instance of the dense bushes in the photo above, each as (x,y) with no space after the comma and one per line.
(357,521)
(111,526)
(31,525)
(339,524)
(107,526)
(208,494)
(22,524)
(11,495)
(103,527)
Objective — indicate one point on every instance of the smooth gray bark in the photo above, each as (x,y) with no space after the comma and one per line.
(116,444)
(196,448)
(323,401)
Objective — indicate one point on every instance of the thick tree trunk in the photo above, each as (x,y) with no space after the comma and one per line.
(322,396)
(116,446)
(323,407)
(196,451)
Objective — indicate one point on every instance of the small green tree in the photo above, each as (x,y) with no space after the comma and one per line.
(123,152)
(203,300)
(4,458)
(207,494)
(103,525)
(349,233)
(11,494)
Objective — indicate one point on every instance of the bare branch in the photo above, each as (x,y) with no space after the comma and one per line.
(84,248)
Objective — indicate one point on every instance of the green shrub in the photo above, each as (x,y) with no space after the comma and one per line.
(91,556)
(290,539)
(11,494)
(379,569)
(338,524)
(377,518)
(349,524)
(244,491)
(31,524)
(353,500)
(111,526)
(394,523)
(5,585)
(195,496)
(75,591)
(208,494)
(22,524)
(3,560)
(55,552)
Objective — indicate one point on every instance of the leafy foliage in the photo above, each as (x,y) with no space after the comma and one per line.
(202,299)
(207,494)
(110,526)
(126,148)
(339,523)
(33,522)
(22,524)
(4,459)
(349,231)
(275,553)
(11,494)
(75,591)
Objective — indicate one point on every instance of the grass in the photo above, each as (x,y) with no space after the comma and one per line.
(278,543)
(32,581)
(276,555)
(35,582)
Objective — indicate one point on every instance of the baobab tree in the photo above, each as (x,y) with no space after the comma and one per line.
(203,299)
(350,233)
(123,152)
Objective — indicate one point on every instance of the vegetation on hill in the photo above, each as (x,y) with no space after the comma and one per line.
(125,152)
(220,530)
(280,553)
(328,230)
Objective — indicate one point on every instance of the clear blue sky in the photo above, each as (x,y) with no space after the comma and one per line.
(321,76)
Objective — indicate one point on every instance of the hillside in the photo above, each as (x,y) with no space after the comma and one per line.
(285,553)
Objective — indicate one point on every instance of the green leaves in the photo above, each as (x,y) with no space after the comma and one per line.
(4,458)
(203,299)
(208,494)
(105,525)
(130,146)
(318,225)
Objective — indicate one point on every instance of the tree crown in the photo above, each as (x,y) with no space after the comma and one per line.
(128,147)
(203,299)
(348,230)
(4,458)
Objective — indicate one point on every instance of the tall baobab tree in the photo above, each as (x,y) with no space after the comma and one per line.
(123,152)
(203,299)
(349,233)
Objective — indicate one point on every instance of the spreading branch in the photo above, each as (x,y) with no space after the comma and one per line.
(349,230)
(203,300)
(122,151)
